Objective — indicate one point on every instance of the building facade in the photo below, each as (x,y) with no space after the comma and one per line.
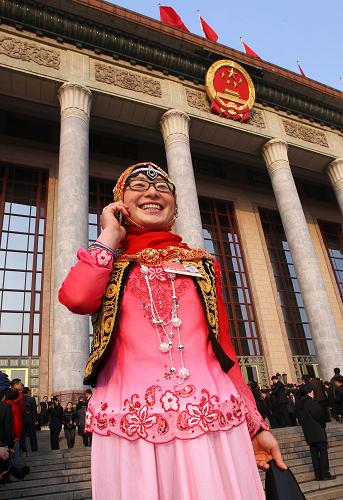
(88,88)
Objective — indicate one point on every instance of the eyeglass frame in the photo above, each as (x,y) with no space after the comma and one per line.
(171,186)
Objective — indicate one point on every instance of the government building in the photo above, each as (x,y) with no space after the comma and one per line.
(88,88)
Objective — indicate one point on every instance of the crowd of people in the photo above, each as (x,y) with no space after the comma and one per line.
(311,404)
(280,403)
(20,421)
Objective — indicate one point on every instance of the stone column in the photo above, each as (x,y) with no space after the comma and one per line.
(335,173)
(322,324)
(70,332)
(175,131)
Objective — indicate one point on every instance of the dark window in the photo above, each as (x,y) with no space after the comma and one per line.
(100,195)
(333,238)
(22,218)
(287,285)
(222,240)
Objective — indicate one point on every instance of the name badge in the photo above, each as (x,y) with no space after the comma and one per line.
(179,268)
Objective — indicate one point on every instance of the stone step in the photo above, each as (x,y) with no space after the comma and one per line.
(335,493)
(318,486)
(68,495)
(306,459)
(38,491)
(333,441)
(57,479)
(61,466)
(46,474)
(336,467)
(289,457)
(55,460)
(306,467)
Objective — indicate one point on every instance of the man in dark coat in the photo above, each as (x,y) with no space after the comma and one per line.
(43,416)
(280,402)
(332,395)
(56,418)
(313,425)
(338,381)
(29,422)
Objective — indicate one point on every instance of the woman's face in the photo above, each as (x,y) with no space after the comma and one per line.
(69,406)
(151,209)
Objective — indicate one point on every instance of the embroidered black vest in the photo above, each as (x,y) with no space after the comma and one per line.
(105,319)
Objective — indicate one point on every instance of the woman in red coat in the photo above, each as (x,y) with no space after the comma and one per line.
(12,397)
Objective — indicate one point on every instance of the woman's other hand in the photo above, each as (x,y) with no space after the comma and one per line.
(112,231)
(266,448)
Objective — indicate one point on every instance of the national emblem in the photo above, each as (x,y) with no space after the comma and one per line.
(230,90)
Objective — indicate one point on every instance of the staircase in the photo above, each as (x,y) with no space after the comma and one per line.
(65,474)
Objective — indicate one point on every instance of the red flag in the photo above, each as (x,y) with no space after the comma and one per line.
(169,16)
(249,50)
(209,32)
(301,70)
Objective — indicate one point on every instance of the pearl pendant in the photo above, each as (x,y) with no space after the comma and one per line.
(170,343)
(173,369)
(184,373)
(144,269)
(164,347)
(176,322)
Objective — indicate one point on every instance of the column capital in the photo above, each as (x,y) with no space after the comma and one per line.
(75,100)
(275,155)
(335,173)
(175,126)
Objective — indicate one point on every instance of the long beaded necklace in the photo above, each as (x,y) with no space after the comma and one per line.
(165,330)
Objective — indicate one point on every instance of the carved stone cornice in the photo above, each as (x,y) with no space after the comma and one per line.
(275,155)
(308,134)
(32,52)
(335,173)
(127,80)
(75,100)
(256,119)
(54,22)
(175,126)
(198,100)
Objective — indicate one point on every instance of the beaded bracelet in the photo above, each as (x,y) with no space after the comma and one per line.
(116,252)
(98,244)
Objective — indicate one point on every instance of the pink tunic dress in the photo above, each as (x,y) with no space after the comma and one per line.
(156,437)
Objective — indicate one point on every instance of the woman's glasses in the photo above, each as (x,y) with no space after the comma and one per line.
(142,185)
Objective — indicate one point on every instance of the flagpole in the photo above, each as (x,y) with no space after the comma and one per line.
(198,11)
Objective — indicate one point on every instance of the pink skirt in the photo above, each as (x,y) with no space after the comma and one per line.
(218,465)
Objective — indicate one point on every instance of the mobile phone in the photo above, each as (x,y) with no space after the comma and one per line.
(119,217)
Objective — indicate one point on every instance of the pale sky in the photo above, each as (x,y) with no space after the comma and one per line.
(281,32)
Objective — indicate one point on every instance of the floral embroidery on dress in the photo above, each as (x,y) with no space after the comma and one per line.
(203,414)
(160,287)
(102,256)
(168,420)
(150,394)
(170,402)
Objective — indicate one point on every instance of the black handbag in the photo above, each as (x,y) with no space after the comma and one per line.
(281,484)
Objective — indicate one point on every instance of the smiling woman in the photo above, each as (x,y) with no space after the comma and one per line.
(169,398)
